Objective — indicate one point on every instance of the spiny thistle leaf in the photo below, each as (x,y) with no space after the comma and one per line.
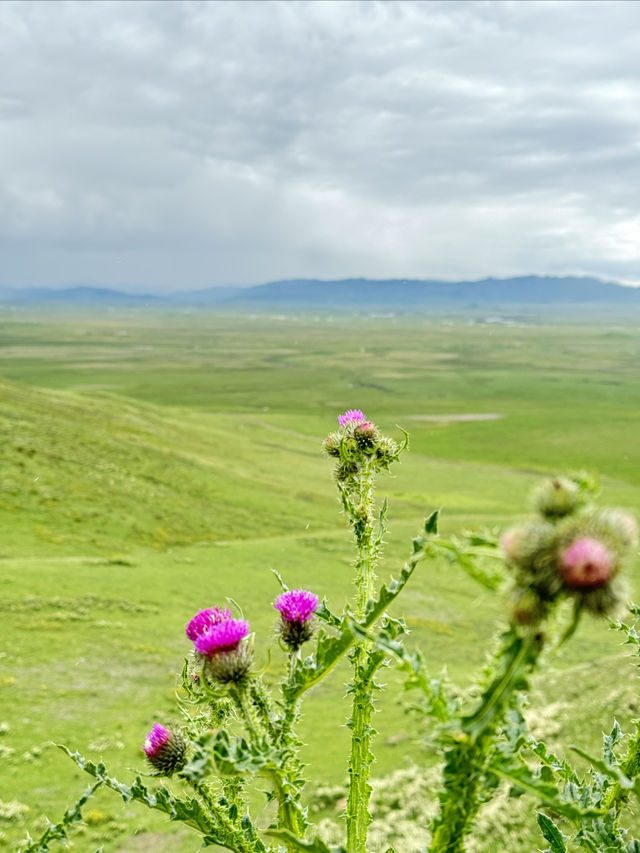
(188,810)
(551,834)
(200,764)
(235,756)
(604,767)
(520,775)
(58,831)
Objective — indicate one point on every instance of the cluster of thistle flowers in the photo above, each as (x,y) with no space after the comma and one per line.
(223,654)
(571,550)
(358,443)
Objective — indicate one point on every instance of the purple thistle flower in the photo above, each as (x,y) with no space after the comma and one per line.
(166,751)
(156,740)
(296,605)
(205,619)
(221,637)
(351,416)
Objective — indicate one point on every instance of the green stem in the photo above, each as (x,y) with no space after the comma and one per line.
(291,706)
(358,817)
(290,815)
(261,702)
(466,761)
(238,693)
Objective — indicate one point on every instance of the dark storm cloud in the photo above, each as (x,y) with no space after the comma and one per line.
(160,145)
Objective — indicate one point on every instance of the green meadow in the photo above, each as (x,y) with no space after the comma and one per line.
(153,464)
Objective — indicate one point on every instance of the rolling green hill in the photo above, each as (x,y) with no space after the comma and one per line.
(194,469)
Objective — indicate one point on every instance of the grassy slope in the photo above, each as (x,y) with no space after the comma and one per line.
(123,515)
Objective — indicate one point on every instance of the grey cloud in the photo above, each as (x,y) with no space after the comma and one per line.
(168,144)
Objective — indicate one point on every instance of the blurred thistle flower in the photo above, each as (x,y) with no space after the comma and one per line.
(331,444)
(227,654)
(297,608)
(586,564)
(351,416)
(205,619)
(166,750)
(557,497)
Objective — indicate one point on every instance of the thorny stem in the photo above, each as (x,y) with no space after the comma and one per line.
(289,814)
(358,817)
(238,693)
(240,844)
(466,761)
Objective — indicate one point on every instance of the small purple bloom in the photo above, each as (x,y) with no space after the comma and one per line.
(205,619)
(221,637)
(156,740)
(296,605)
(351,416)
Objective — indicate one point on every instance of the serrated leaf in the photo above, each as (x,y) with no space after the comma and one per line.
(236,757)
(186,810)
(602,766)
(58,831)
(325,615)
(551,834)
(610,742)
(431,523)
(519,774)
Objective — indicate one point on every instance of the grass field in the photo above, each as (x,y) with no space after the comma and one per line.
(155,464)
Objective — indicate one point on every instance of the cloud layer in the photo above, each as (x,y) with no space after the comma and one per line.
(171,145)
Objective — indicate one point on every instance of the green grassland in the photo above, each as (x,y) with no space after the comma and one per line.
(153,464)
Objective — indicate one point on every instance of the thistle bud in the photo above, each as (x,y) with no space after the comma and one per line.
(621,526)
(557,497)
(346,470)
(586,564)
(511,544)
(386,451)
(297,608)
(166,750)
(331,444)
(227,652)
(367,436)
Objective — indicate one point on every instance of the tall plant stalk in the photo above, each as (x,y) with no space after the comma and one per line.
(358,817)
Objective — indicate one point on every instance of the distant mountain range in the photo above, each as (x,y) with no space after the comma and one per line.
(397,295)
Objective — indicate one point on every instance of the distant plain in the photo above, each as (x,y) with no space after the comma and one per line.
(155,463)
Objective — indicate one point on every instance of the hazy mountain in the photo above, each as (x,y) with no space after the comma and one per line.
(412,293)
(396,295)
(81,295)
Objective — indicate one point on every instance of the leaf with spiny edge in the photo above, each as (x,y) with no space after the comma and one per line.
(184,810)
(58,831)
(518,774)
(552,834)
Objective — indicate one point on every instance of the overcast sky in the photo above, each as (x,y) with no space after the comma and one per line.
(158,146)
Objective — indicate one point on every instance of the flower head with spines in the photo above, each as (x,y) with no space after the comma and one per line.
(297,608)
(166,750)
